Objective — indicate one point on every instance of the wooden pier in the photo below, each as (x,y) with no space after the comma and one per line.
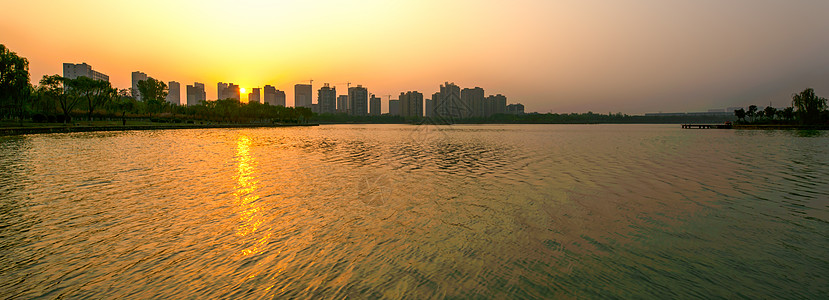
(706,126)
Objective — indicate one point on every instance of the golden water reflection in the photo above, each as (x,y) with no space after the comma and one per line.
(250,214)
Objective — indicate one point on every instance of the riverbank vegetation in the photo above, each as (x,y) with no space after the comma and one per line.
(59,100)
(807,109)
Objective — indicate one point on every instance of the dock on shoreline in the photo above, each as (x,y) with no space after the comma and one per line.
(706,126)
(67,129)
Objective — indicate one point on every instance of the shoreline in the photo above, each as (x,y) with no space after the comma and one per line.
(12,131)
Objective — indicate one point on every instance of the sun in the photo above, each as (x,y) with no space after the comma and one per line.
(242,90)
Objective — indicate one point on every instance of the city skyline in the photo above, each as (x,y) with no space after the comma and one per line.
(628,56)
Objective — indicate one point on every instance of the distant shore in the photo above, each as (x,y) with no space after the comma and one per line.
(8,131)
(782,127)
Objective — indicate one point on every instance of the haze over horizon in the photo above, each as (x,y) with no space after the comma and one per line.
(561,56)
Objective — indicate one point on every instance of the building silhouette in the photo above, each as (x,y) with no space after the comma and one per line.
(374,106)
(255,95)
(394,107)
(327,99)
(449,105)
(273,96)
(474,98)
(358,101)
(174,93)
(221,90)
(342,104)
(411,104)
(302,95)
(431,111)
(73,71)
(427,112)
(195,94)
(515,109)
(496,104)
(137,76)
(228,91)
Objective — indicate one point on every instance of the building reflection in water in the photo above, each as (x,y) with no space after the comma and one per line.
(250,214)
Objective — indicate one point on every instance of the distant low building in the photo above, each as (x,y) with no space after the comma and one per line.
(515,109)
(73,71)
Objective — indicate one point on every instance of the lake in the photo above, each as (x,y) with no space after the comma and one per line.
(402,211)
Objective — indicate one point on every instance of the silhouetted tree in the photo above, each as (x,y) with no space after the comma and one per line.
(752,112)
(741,114)
(153,93)
(122,101)
(54,87)
(96,92)
(770,112)
(788,113)
(15,89)
(809,106)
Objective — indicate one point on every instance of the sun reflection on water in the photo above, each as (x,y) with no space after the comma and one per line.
(250,214)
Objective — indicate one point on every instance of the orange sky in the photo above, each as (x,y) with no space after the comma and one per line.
(560,56)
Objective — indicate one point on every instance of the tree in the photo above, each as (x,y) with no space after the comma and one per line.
(770,112)
(96,92)
(788,113)
(752,112)
(54,87)
(123,102)
(15,89)
(741,114)
(153,93)
(809,106)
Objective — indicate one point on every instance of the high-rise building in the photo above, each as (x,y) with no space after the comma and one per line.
(273,96)
(430,107)
(174,93)
(73,71)
(269,94)
(221,91)
(228,91)
(474,99)
(327,99)
(394,107)
(255,95)
(280,98)
(450,104)
(195,94)
(411,104)
(302,95)
(432,112)
(374,107)
(342,104)
(358,101)
(496,104)
(136,77)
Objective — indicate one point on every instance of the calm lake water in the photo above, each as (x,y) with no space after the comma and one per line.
(398,211)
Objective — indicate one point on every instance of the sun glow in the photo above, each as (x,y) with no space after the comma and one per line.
(242,90)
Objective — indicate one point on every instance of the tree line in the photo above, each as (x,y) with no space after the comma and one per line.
(57,99)
(806,109)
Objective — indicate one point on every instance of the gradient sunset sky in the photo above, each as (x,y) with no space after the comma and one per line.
(630,56)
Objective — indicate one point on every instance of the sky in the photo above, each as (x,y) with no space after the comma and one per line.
(629,56)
